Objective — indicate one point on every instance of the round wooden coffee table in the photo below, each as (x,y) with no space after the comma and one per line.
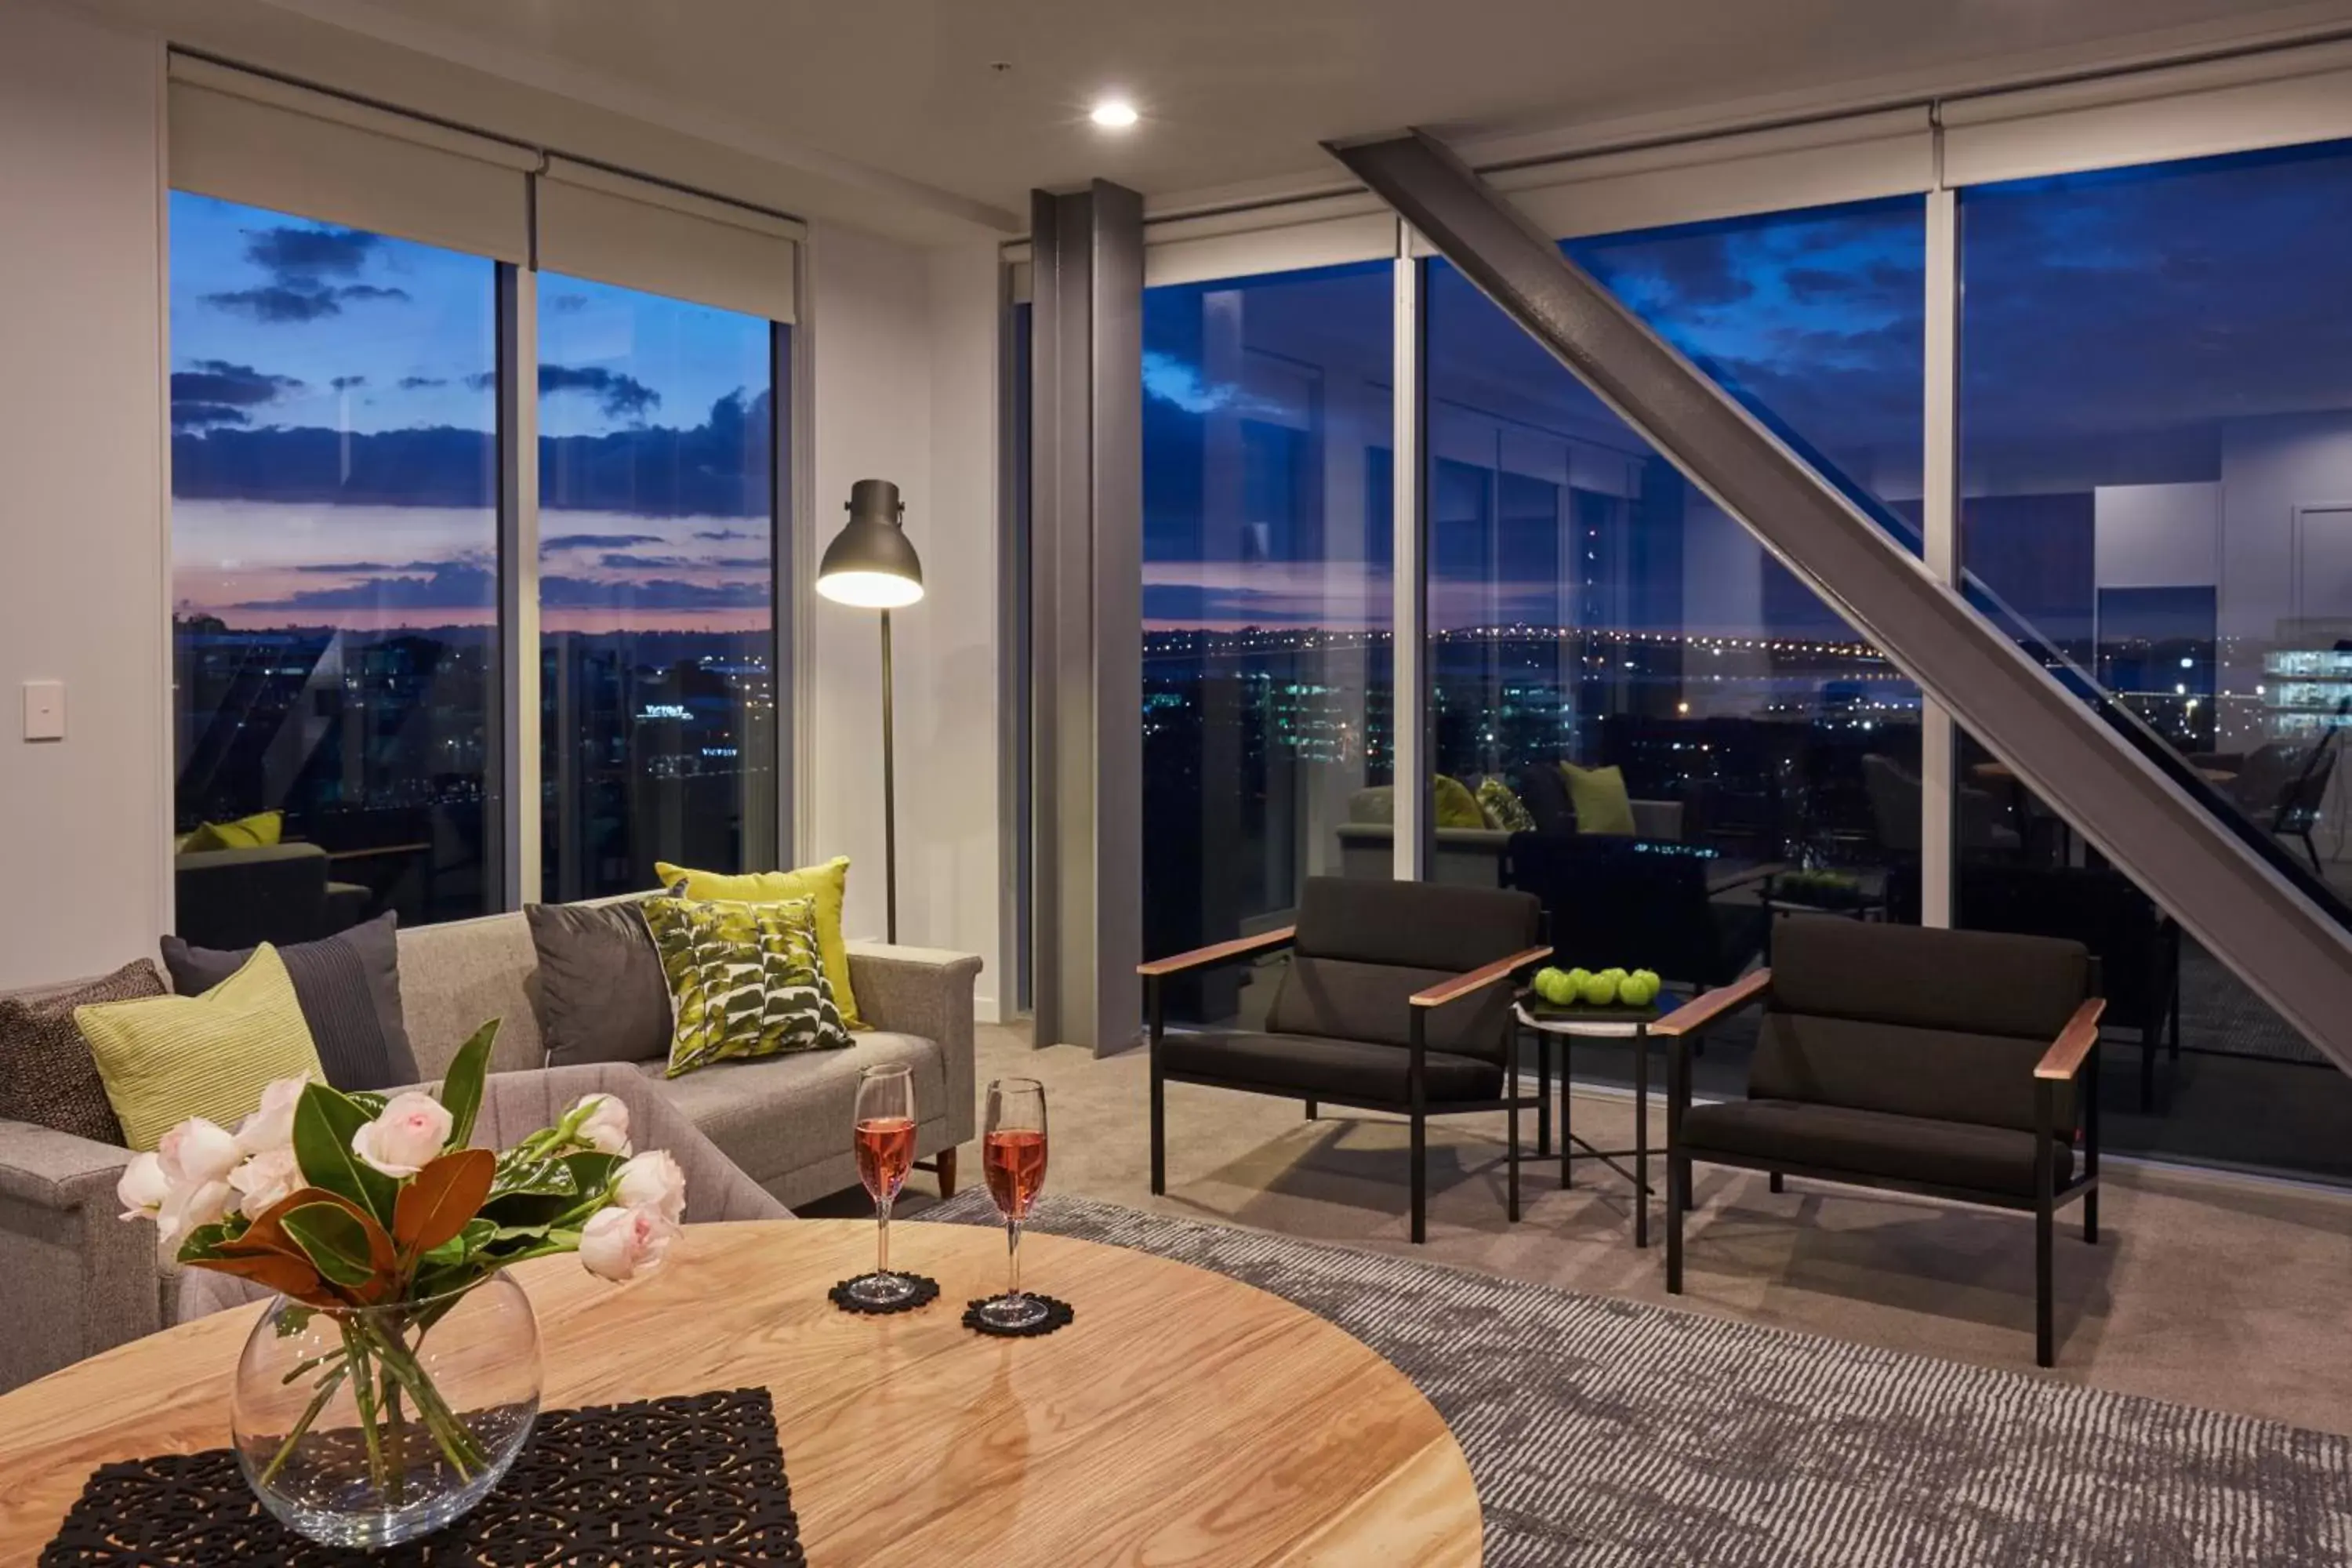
(1183,1417)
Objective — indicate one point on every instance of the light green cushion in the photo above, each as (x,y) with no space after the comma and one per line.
(259,831)
(1600,799)
(828,884)
(745,979)
(1456,806)
(166,1058)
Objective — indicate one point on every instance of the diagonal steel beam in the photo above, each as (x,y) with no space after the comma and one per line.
(2223,892)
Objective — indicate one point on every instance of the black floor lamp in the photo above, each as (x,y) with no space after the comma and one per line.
(871,565)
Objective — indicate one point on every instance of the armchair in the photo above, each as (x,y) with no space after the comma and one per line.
(1395,1000)
(1944,1062)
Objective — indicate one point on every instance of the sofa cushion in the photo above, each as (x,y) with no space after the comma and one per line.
(745,979)
(459,974)
(258,831)
(1326,1069)
(601,997)
(166,1058)
(1873,1144)
(828,884)
(349,986)
(47,1076)
(1603,804)
(773,1115)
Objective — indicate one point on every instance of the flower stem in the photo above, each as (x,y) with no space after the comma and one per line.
(363,1397)
(327,1386)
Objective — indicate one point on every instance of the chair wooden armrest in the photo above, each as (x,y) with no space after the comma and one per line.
(2064,1057)
(1445,991)
(1702,1010)
(1219,953)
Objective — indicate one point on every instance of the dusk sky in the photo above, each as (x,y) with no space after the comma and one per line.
(333,455)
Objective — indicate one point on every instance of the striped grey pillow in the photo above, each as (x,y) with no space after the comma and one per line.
(349,988)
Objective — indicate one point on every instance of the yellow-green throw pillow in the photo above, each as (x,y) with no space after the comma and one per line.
(1600,799)
(1504,809)
(745,979)
(827,884)
(165,1059)
(1456,806)
(259,831)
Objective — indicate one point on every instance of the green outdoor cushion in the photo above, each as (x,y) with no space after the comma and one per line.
(1456,806)
(1503,806)
(1602,804)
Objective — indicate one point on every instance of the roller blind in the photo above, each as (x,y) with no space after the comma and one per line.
(596,224)
(2278,99)
(1291,237)
(267,143)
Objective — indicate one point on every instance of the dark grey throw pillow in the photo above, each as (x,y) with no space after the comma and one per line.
(602,996)
(348,986)
(47,1076)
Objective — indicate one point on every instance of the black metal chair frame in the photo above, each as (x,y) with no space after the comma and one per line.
(2072,1057)
(1415,1106)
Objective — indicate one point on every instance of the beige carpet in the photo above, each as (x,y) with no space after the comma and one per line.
(2209,1291)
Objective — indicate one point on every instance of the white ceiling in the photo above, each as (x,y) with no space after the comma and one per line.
(903,96)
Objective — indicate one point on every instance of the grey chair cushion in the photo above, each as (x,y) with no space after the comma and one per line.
(1979,982)
(1873,1144)
(348,986)
(1327,1069)
(1364,947)
(773,1115)
(601,997)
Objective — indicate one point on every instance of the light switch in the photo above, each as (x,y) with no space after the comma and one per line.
(45,711)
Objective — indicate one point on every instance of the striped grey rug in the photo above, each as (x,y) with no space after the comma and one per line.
(1608,1432)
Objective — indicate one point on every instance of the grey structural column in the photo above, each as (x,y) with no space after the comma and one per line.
(1086,609)
(2236,904)
(1409,550)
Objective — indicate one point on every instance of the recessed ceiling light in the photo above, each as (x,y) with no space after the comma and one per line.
(1113,114)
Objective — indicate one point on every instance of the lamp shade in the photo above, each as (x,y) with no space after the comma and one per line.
(871,563)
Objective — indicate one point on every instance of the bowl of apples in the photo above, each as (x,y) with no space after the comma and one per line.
(1595,991)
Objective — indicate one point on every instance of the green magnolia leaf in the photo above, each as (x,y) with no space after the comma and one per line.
(291,1320)
(325,1122)
(479,1233)
(461,1088)
(334,1241)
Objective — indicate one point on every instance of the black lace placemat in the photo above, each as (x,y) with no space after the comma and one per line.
(926,1291)
(1059,1314)
(696,1479)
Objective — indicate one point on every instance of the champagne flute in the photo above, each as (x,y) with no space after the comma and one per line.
(1013,1154)
(885,1151)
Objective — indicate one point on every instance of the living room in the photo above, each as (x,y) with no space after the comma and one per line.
(1651,700)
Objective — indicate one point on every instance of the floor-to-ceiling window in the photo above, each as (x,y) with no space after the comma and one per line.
(1266,594)
(656,588)
(2156,463)
(335,574)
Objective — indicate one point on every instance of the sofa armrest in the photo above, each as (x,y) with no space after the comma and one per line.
(1658,819)
(75,1279)
(924,990)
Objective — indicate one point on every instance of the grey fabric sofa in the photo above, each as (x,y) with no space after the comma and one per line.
(517,1104)
(75,1279)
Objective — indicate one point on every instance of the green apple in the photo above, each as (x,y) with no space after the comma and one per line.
(1551,985)
(1638,989)
(1615,974)
(1575,986)
(1598,990)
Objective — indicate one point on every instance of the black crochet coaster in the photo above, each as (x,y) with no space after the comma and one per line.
(927,1290)
(697,1479)
(1058,1315)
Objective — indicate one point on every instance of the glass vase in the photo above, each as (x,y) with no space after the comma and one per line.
(368,1426)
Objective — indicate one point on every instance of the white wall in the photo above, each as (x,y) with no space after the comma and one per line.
(905,389)
(83,821)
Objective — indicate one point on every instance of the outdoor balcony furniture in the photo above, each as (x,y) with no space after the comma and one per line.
(1397,998)
(1948,1063)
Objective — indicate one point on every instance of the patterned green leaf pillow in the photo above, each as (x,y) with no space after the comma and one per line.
(745,979)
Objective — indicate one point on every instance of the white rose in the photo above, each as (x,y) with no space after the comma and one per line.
(190,1207)
(272,1126)
(624,1244)
(196,1152)
(402,1141)
(264,1181)
(143,1187)
(653,1180)
(605,1127)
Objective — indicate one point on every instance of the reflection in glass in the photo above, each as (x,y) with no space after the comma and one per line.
(334,575)
(1266,593)
(2157,459)
(657,598)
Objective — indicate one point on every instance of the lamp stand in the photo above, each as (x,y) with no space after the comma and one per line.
(889,797)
